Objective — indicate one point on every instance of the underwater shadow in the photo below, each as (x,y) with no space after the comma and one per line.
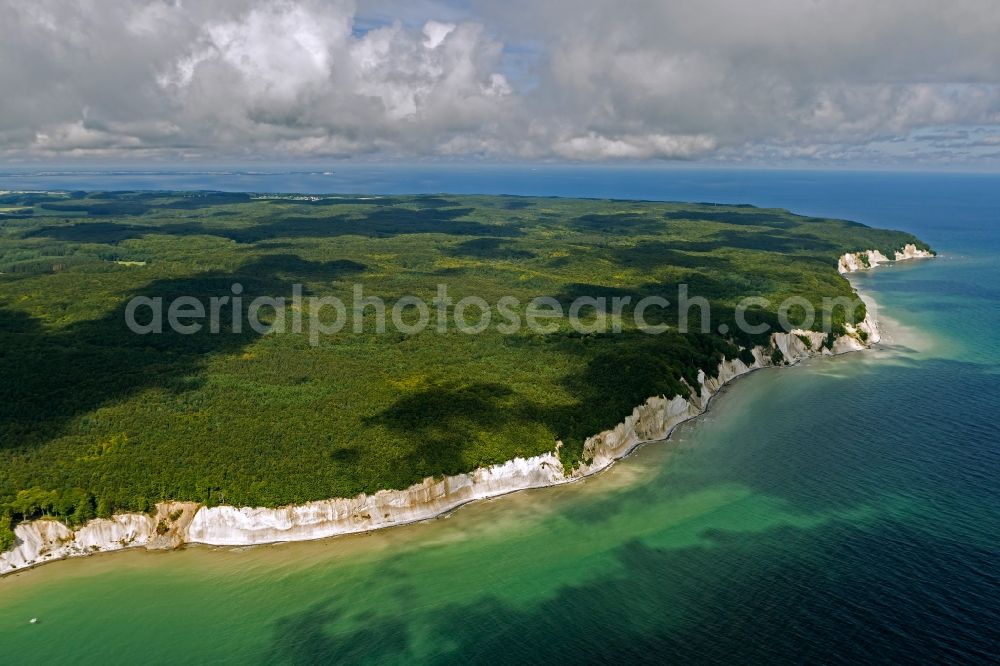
(781,596)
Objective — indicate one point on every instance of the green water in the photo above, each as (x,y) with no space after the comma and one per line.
(745,516)
(845,510)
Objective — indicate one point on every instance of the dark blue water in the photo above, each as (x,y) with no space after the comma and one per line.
(844,511)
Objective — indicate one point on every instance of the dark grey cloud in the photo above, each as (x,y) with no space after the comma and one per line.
(824,80)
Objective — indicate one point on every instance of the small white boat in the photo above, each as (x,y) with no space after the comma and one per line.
(34,620)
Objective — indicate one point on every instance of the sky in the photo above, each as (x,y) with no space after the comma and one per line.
(895,83)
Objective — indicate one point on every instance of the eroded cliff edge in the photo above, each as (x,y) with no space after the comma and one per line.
(857,261)
(177,523)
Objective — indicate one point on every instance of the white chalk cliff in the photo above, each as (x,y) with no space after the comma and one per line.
(177,523)
(856,261)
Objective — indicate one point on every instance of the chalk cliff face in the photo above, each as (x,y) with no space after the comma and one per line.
(176,523)
(42,541)
(227,525)
(857,261)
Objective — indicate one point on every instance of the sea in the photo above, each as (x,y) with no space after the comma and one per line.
(845,510)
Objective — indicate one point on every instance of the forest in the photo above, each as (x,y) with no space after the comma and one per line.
(95,419)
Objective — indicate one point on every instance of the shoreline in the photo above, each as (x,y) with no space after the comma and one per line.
(175,524)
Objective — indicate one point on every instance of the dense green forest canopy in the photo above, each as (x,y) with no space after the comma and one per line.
(95,419)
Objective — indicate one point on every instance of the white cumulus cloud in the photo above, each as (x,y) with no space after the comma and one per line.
(824,80)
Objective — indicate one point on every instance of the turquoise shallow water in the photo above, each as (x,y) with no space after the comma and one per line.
(845,510)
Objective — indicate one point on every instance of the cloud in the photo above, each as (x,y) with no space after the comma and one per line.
(768,72)
(630,146)
(827,80)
